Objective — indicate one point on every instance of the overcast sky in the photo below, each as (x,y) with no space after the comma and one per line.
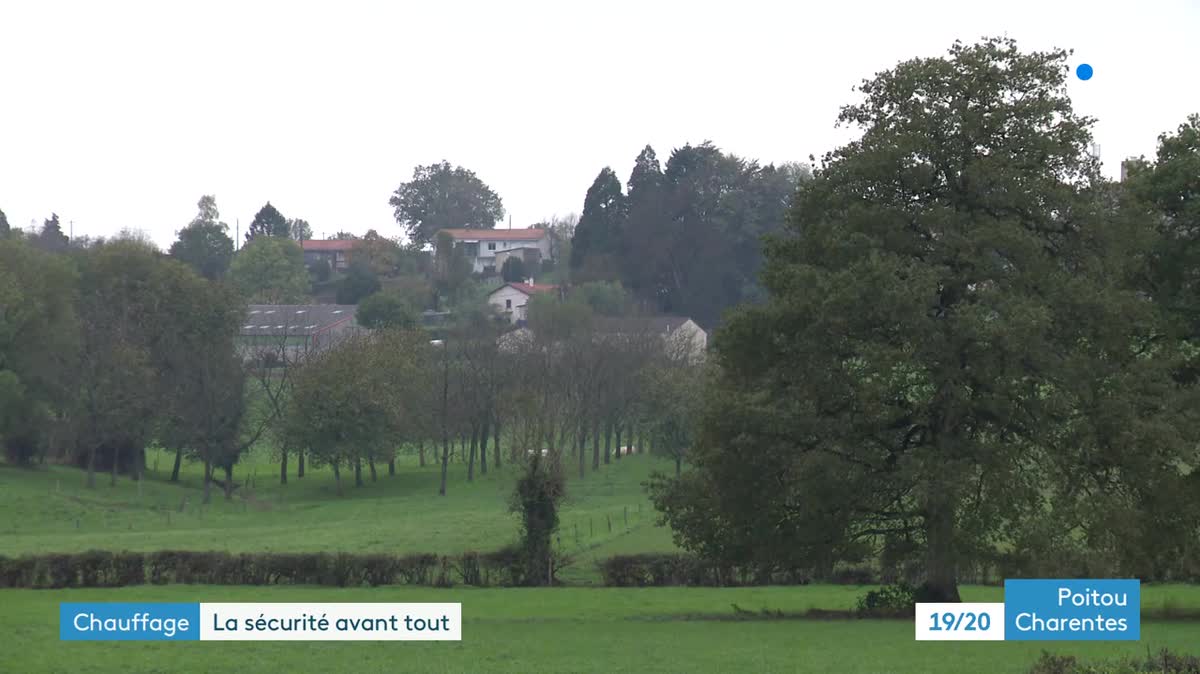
(119,114)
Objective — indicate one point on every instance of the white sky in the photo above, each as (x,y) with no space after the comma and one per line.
(120,114)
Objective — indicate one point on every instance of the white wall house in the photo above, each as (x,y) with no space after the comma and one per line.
(510,299)
(681,335)
(488,248)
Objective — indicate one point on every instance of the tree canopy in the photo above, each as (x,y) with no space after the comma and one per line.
(956,356)
(270,270)
(686,240)
(440,197)
(268,222)
(205,244)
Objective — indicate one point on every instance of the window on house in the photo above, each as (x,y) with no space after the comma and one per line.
(508,304)
(491,246)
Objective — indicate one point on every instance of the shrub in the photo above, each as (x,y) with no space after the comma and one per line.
(889,600)
(854,575)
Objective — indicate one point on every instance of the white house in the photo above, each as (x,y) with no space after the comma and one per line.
(510,299)
(681,335)
(487,249)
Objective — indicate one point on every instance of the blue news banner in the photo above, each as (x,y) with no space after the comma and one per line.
(1041,610)
(259,622)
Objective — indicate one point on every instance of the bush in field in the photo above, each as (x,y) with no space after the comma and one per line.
(890,599)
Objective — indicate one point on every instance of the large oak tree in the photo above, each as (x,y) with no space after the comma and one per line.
(956,359)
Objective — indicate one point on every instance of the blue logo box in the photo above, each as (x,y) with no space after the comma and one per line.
(1072,610)
(128,622)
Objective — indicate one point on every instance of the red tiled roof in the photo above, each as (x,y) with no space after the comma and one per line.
(329,244)
(529,288)
(497,234)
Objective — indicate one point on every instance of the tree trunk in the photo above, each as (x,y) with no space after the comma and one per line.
(371,465)
(207,481)
(581,448)
(483,445)
(91,473)
(608,432)
(283,465)
(392,467)
(178,462)
(421,453)
(941,565)
(445,463)
(638,447)
(358,481)
(474,448)
(228,482)
(116,454)
(620,447)
(300,463)
(596,445)
(337,477)
(678,464)
(496,437)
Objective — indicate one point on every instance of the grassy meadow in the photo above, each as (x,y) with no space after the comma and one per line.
(50,510)
(581,628)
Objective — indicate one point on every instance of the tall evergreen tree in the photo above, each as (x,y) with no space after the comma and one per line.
(597,236)
(51,236)
(268,222)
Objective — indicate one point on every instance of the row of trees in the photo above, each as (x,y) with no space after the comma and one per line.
(106,348)
(975,349)
(566,387)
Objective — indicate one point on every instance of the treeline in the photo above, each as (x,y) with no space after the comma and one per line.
(975,347)
(104,348)
(571,384)
(685,238)
(107,348)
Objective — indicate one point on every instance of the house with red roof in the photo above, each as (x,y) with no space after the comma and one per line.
(487,249)
(334,251)
(510,299)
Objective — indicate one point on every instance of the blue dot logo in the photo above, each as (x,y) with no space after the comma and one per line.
(1084,71)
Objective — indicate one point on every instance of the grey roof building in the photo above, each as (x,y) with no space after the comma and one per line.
(298,328)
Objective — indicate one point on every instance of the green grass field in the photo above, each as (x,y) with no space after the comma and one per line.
(571,629)
(557,630)
(50,510)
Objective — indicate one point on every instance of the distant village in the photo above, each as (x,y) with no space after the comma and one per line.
(324,321)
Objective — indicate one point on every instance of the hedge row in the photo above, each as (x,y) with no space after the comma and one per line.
(653,570)
(117,569)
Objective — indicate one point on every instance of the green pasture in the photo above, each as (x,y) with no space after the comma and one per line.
(49,509)
(606,630)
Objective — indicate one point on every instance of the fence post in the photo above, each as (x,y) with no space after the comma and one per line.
(625,511)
